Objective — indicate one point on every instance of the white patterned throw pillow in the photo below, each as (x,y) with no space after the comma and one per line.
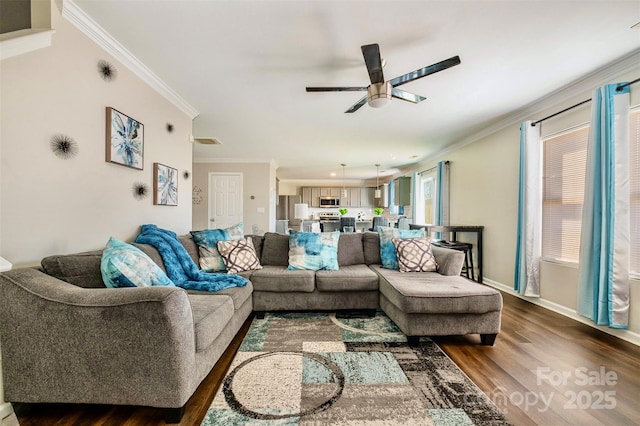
(239,255)
(415,255)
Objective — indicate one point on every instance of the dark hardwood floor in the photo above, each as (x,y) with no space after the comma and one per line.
(544,369)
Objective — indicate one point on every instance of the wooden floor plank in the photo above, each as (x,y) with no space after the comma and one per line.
(533,340)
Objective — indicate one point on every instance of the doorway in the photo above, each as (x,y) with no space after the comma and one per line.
(225,200)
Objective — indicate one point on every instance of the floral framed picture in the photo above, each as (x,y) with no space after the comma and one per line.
(125,140)
(165,185)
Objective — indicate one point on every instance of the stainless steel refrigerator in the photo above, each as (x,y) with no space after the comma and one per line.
(285,210)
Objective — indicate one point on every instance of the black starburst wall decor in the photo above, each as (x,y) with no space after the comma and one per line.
(140,190)
(107,71)
(63,146)
(169,127)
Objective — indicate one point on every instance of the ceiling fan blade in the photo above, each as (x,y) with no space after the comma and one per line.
(336,89)
(406,96)
(423,72)
(357,105)
(371,53)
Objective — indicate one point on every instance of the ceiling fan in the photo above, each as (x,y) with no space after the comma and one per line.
(380,92)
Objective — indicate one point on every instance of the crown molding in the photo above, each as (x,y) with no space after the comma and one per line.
(585,84)
(271,163)
(74,14)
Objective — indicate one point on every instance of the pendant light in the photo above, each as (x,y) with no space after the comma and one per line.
(344,189)
(377,193)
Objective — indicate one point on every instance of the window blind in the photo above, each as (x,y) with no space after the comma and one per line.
(564,165)
(634,174)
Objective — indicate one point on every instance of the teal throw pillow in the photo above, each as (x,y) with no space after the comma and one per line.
(207,241)
(124,265)
(313,251)
(388,253)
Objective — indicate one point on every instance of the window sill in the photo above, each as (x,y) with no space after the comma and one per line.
(24,41)
(573,265)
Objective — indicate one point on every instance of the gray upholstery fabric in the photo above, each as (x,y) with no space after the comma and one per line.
(257,241)
(430,292)
(153,254)
(59,341)
(371,245)
(279,279)
(239,295)
(350,249)
(211,313)
(449,261)
(444,324)
(81,269)
(275,250)
(190,246)
(316,301)
(347,278)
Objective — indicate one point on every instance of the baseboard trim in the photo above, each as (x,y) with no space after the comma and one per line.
(629,336)
(5,410)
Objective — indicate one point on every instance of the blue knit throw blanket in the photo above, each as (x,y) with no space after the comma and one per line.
(181,269)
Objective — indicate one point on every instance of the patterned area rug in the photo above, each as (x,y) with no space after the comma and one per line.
(328,369)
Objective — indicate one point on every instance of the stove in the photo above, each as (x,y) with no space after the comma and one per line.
(325,216)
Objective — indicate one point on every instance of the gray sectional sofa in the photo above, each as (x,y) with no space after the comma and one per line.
(66,338)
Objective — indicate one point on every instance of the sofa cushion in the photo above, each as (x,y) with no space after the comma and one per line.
(186,240)
(371,247)
(388,254)
(280,279)
(124,265)
(81,269)
(415,255)
(239,295)
(348,278)
(239,255)
(430,292)
(210,259)
(275,250)
(313,251)
(257,241)
(350,250)
(211,314)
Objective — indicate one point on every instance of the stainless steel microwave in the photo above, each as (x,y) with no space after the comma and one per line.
(329,202)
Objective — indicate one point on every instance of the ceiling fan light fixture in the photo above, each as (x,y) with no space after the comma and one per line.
(379,94)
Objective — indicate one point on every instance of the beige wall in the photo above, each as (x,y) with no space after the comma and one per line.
(258,180)
(484,191)
(49,205)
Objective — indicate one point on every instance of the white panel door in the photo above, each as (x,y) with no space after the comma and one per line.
(225,199)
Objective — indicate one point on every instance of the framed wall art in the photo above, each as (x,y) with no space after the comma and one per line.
(125,140)
(165,185)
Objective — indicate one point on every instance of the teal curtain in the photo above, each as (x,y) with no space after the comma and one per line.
(529,232)
(603,283)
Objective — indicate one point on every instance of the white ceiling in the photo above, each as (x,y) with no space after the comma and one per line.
(244,65)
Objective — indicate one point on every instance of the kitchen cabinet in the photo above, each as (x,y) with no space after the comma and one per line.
(402,191)
(354,197)
(383,201)
(367,197)
(315,197)
(306,195)
(330,192)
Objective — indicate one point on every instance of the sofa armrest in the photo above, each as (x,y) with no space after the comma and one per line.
(63,343)
(449,261)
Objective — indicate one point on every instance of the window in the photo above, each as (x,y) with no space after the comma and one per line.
(426,198)
(564,165)
(563,175)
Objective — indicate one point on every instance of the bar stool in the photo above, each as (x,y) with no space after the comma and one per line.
(467,248)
